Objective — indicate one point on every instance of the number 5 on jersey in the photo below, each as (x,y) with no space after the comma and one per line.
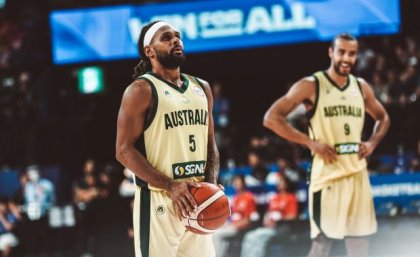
(192,143)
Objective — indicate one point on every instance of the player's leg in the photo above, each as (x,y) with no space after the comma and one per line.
(357,246)
(193,245)
(328,215)
(157,230)
(361,214)
(361,217)
(321,246)
(138,201)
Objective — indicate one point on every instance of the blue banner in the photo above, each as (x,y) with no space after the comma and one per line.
(396,187)
(109,33)
(394,194)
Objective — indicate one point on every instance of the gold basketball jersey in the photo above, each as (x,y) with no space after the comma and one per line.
(174,140)
(337,120)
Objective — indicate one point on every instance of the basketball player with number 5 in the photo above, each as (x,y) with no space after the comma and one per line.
(340,199)
(165,136)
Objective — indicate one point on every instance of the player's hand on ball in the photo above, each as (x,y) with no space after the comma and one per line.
(212,209)
(183,200)
(326,152)
(221,187)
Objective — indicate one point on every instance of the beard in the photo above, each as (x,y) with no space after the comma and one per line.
(170,61)
(341,73)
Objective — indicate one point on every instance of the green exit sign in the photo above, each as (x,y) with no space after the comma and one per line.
(91,80)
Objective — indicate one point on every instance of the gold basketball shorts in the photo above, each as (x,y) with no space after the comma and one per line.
(343,208)
(158,232)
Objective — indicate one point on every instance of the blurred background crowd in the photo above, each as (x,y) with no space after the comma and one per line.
(63,194)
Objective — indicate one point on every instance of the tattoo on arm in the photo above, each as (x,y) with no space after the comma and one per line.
(213,164)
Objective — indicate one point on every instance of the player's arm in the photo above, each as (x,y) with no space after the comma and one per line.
(135,104)
(213,162)
(275,118)
(382,122)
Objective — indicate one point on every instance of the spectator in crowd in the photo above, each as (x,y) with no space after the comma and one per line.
(220,107)
(294,174)
(259,170)
(127,191)
(284,168)
(7,222)
(19,195)
(365,59)
(244,215)
(107,182)
(380,88)
(282,207)
(86,190)
(111,240)
(414,165)
(127,187)
(409,77)
(16,207)
(381,63)
(259,143)
(395,87)
(39,197)
(89,167)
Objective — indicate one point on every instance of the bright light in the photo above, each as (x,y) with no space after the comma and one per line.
(91,80)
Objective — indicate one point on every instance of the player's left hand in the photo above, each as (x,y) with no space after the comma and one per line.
(365,149)
(221,187)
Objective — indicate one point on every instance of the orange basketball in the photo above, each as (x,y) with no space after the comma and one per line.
(212,209)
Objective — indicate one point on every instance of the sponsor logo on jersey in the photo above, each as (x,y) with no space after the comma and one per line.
(188,169)
(347,148)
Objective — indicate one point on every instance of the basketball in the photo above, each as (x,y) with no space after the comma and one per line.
(212,209)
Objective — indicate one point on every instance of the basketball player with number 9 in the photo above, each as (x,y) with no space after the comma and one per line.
(165,136)
(340,198)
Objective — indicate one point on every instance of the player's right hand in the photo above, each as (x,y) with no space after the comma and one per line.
(183,201)
(326,152)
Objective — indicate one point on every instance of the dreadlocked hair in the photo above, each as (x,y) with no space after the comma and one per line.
(144,65)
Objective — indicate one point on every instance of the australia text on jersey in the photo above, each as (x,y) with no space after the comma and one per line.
(342,110)
(185,117)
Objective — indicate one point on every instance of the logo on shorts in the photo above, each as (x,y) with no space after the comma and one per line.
(160,210)
(188,169)
(347,148)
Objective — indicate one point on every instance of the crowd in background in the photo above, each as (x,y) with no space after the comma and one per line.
(96,222)
(36,113)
